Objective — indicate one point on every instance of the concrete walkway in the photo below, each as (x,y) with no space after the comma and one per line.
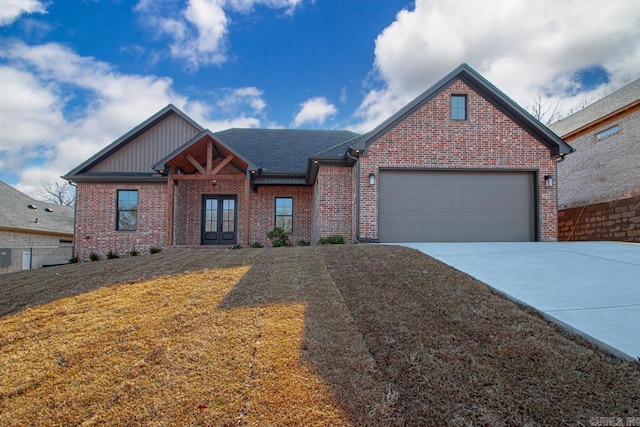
(592,288)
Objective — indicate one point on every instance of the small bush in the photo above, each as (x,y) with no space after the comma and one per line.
(112,255)
(256,245)
(74,259)
(155,250)
(134,252)
(236,247)
(304,243)
(278,237)
(332,240)
(94,256)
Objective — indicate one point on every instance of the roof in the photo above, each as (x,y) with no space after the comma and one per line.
(284,150)
(48,218)
(81,170)
(610,104)
(471,77)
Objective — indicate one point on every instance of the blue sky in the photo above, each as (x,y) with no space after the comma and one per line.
(77,74)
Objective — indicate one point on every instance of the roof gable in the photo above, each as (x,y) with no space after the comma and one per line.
(484,88)
(135,152)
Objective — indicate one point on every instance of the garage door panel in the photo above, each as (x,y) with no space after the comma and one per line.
(456,206)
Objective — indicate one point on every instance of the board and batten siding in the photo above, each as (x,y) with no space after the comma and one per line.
(145,150)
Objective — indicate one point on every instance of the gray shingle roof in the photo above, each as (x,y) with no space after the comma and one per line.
(15,213)
(592,113)
(285,150)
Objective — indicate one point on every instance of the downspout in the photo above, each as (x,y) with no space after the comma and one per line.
(357,194)
(75,211)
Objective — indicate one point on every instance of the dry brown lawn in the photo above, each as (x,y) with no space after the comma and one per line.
(340,335)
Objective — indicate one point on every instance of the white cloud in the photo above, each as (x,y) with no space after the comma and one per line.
(248,5)
(199,32)
(234,99)
(521,46)
(47,129)
(12,9)
(315,110)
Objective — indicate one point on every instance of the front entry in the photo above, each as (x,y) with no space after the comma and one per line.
(219,220)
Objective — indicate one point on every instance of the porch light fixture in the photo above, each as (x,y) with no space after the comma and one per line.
(548,180)
(214,182)
(372,179)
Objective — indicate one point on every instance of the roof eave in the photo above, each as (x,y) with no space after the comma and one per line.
(314,163)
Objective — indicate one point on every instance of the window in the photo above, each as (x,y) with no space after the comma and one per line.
(607,132)
(127,210)
(284,213)
(458,107)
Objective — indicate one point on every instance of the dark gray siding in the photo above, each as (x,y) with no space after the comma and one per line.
(456,206)
(153,145)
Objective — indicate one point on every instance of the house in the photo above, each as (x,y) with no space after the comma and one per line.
(599,185)
(33,234)
(461,162)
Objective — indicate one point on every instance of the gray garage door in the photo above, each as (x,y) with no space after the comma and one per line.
(453,206)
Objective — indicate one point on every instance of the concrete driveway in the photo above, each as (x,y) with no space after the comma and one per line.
(592,288)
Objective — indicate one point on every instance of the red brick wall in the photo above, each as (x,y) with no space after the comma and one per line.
(618,220)
(428,138)
(96,219)
(262,218)
(333,199)
(188,212)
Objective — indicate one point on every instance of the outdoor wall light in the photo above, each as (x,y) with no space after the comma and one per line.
(214,182)
(548,180)
(372,179)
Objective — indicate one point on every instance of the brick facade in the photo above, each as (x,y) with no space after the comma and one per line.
(429,139)
(262,218)
(602,170)
(340,201)
(95,229)
(617,220)
(333,203)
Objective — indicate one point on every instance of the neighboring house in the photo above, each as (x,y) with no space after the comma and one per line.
(462,162)
(33,234)
(599,185)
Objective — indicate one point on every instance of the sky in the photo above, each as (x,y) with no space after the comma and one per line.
(77,74)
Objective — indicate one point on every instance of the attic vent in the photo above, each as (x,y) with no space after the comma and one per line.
(32,207)
(48,210)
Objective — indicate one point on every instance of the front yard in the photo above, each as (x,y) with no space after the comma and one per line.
(339,335)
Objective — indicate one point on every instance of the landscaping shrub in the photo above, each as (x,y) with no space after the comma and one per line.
(74,259)
(256,245)
(332,240)
(304,243)
(155,250)
(94,256)
(236,247)
(112,255)
(278,237)
(134,252)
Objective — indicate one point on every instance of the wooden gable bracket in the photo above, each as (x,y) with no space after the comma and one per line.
(197,165)
(222,164)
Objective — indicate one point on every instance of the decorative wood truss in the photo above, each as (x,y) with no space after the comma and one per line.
(196,162)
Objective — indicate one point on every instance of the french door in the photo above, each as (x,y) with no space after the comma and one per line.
(219,218)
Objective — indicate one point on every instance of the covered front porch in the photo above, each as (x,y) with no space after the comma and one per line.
(208,194)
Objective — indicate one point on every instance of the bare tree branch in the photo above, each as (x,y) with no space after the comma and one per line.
(60,192)
(544,109)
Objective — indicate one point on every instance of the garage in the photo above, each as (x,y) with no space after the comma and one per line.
(456,206)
